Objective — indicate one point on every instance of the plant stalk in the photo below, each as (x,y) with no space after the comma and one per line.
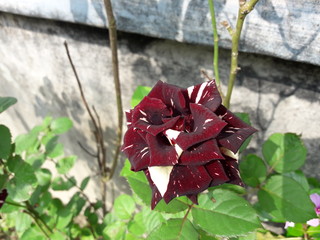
(216,45)
(244,9)
(115,67)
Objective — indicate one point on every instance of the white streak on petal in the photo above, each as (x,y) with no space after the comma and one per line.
(161,176)
(229,153)
(172,134)
(142,112)
(208,120)
(130,146)
(178,149)
(199,95)
(190,90)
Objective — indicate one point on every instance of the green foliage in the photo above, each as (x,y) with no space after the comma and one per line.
(253,170)
(180,229)
(286,200)
(139,94)
(234,214)
(284,152)
(6,102)
(5,142)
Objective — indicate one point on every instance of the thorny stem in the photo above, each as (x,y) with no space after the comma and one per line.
(216,46)
(115,68)
(244,9)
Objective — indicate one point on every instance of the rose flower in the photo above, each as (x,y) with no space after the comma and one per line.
(184,140)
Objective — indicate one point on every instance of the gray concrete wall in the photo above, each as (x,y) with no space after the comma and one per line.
(287,29)
(280,96)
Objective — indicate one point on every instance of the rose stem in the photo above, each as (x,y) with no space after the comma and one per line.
(115,68)
(244,9)
(216,46)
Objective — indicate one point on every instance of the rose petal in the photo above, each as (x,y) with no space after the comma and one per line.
(150,110)
(206,94)
(237,131)
(171,95)
(136,149)
(201,154)
(231,167)
(156,129)
(186,180)
(193,198)
(160,177)
(217,173)
(206,125)
(156,196)
(162,153)
(3,196)
(129,117)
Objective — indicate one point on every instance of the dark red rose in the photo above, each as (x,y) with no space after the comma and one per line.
(184,140)
(3,196)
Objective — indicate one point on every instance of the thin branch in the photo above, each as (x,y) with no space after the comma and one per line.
(96,128)
(115,68)
(216,45)
(86,150)
(244,9)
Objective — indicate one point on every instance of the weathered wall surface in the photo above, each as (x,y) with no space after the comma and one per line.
(280,96)
(289,26)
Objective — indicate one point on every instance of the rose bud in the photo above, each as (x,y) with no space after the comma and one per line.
(184,140)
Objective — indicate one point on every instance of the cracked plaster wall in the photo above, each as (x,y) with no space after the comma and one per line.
(280,96)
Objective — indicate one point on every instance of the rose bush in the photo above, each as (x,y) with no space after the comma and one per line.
(184,140)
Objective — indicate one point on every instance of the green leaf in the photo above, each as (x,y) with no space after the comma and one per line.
(231,187)
(5,142)
(43,176)
(24,181)
(314,231)
(54,149)
(124,206)
(296,231)
(115,231)
(145,221)
(65,164)
(253,170)
(26,142)
(23,222)
(59,184)
(6,102)
(36,161)
(299,177)
(177,229)
(76,204)
(61,125)
(232,214)
(57,236)
(246,118)
(140,185)
(84,183)
(286,200)
(139,94)
(33,233)
(284,152)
